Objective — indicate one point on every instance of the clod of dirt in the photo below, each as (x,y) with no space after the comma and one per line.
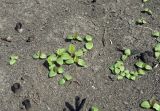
(93,1)
(18,27)
(26,104)
(148,57)
(30,39)
(8,39)
(16,87)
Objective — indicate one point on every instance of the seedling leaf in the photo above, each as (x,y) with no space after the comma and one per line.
(69,61)
(157,47)
(88,38)
(52,74)
(60,70)
(81,62)
(59,61)
(94,108)
(71,49)
(148,67)
(68,77)
(12,61)
(61,81)
(89,45)
(70,37)
(156,106)
(61,51)
(79,53)
(66,56)
(145,104)
(42,55)
(156,33)
(141,72)
(157,55)
(124,57)
(119,77)
(127,52)
(140,64)
(79,38)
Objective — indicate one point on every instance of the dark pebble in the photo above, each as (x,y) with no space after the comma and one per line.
(148,57)
(93,1)
(26,104)
(30,39)
(18,26)
(16,87)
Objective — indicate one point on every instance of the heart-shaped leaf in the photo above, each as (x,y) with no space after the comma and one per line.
(71,49)
(89,45)
(52,74)
(59,61)
(61,81)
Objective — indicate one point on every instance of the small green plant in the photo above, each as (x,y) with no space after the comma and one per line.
(151,104)
(94,108)
(147,10)
(64,56)
(156,33)
(141,21)
(144,1)
(13,59)
(157,51)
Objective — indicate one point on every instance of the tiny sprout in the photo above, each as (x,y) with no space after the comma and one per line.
(157,47)
(60,70)
(79,53)
(39,55)
(124,57)
(156,33)
(42,55)
(94,108)
(156,106)
(61,81)
(88,38)
(71,49)
(148,11)
(157,55)
(52,74)
(13,59)
(140,64)
(148,67)
(145,104)
(59,61)
(61,51)
(141,21)
(141,72)
(69,61)
(144,1)
(127,52)
(70,37)
(119,77)
(89,45)
(133,78)
(81,62)
(67,77)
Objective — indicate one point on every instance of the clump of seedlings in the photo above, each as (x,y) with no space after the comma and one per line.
(156,33)
(119,69)
(151,104)
(13,59)
(157,51)
(141,21)
(147,10)
(66,56)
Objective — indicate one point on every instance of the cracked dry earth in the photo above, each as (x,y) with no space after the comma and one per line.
(46,23)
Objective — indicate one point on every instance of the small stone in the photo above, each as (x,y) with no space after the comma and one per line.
(18,27)
(16,87)
(26,104)
(8,39)
(30,39)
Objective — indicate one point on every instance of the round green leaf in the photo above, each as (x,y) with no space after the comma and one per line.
(42,55)
(124,57)
(94,108)
(61,51)
(119,77)
(127,52)
(157,47)
(67,77)
(156,34)
(66,56)
(89,45)
(141,72)
(157,55)
(88,38)
(52,58)
(60,70)
(12,61)
(81,62)
(79,53)
(70,37)
(71,49)
(52,74)
(69,61)
(59,61)
(145,104)
(156,106)
(61,81)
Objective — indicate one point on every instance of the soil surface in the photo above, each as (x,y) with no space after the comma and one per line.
(45,24)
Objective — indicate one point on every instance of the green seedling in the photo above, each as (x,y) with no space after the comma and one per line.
(145,104)
(140,64)
(156,33)
(148,11)
(144,1)
(94,108)
(52,74)
(127,52)
(60,70)
(59,61)
(71,49)
(39,55)
(75,36)
(147,67)
(88,38)
(60,51)
(157,47)
(89,45)
(124,57)
(141,21)
(81,62)
(133,78)
(157,55)
(156,106)
(141,71)
(62,81)
(119,77)
(67,77)
(69,61)
(13,59)
(79,53)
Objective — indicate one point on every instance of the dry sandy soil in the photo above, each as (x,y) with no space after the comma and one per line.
(48,22)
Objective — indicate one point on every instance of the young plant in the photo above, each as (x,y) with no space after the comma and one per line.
(94,108)
(145,104)
(156,33)
(39,55)
(75,36)
(144,1)
(141,21)
(13,59)
(147,10)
